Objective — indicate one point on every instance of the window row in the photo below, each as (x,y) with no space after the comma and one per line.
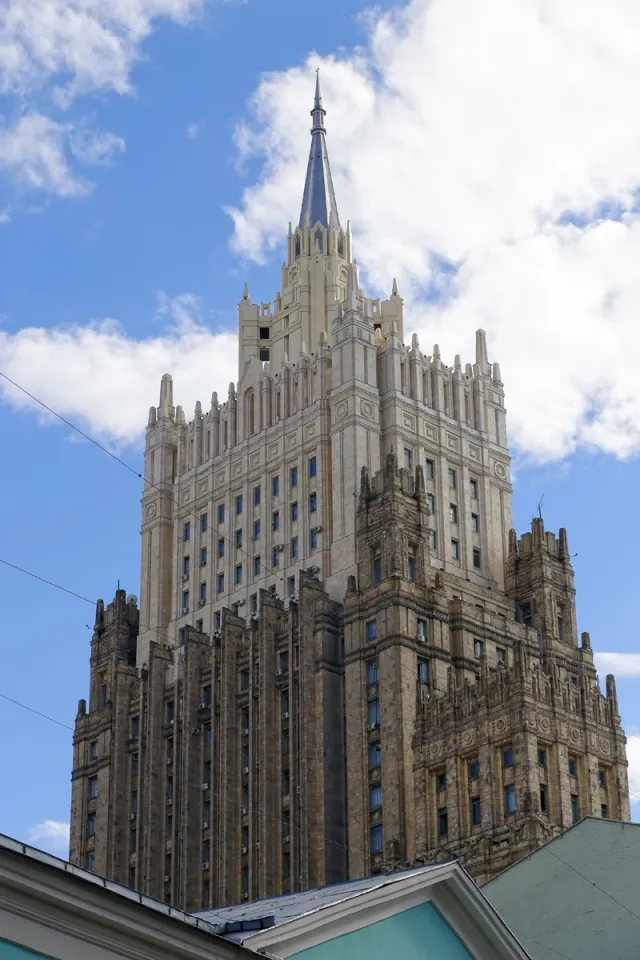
(430,474)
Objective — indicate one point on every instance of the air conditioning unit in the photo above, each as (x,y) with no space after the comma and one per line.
(285,715)
(420,637)
(132,816)
(241,603)
(245,896)
(317,529)
(204,706)
(280,547)
(167,878)
(169,759)
(279,673)
(245,770)
(244,810)
(315,570)
(171,722)
(205,824)
(217,635)
(169,801)
(185,610)
(373,726)
(195,731)
(286,839)
(205,786)
(205,864)
(203,563)
(185,576)
(243,850)
(245,732)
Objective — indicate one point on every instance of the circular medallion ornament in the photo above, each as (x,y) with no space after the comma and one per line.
(500,470)
(366,409)
(466,738)
(575,734)
(604,746)
(151,511)
(544,724)
(342,410)
(436,749)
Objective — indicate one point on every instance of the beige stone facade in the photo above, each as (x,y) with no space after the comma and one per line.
(343,660)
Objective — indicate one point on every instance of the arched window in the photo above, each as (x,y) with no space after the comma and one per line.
(298,245)
(340,245)
(250,412)
(318,239)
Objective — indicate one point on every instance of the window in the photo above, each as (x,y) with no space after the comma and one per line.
(375,797)
(474,769)
(93,750)
(244,795)
(478,647)
(186,531)
(560,622)
(575,809)
(291,585)
(377,567)
(573,767)
(475,523)
(90,861)
(431,503)
(221,513)
(476,811)
(103,695)
(376,838)
(285,742)
(372,671)
(217,619)
(134,728)
(203,593)
(373,712)
(477,559)
(283,661)
(294,476)
(203,556)
(443,822)
(312,467)
(264,333)
(275,486)
(133,840)
(275,557)
(542,757)
(185,566)
(423,670)
(275,521)
(206,734)
(221,583)
(313,502)
(169,825)
(604,811)
(294,548)
(134,765)
(170,711)
(412,567)
(167,865)
(455,550)
(185,601)
(543,798)
(220,548)
(238,539)
(286,827)
(204,523)
(206,695)
(91,825)
(244,679)
(256,529)
(509,799)
(408,459)
(284,702)
(501,655)
(441,781)
(294,512)
(238,578)
(432,539)
(206,893)
(313,540)
(429,470)
(421,628)
(372,629)
(602,777)
(374,755)
(256,496)
(452,478)
(206,847)
(507,757)
(473,488)
(93,788)
(285,786)
(256,566)
(133,803)
(453,513)
(169,751)
(238,505)
(132,877)
(245,755)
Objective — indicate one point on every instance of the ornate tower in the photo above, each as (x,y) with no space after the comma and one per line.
(345,660)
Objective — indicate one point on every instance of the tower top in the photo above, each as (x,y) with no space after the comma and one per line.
(319,199)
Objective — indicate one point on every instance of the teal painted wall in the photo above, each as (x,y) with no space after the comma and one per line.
(9,951)
(416,934)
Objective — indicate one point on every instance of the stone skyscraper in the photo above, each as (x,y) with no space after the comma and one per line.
(344,659)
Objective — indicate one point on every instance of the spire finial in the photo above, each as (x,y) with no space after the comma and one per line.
(319,201)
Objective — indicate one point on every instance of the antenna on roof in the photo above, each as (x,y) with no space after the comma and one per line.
(540,506)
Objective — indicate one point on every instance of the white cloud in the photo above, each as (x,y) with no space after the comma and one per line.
(620,664)
(464,134)
(64,48)
(193,131)
(52,836)
(97,375)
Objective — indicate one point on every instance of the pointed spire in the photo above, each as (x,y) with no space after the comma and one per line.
(394,288)
(319,200)
(245,292)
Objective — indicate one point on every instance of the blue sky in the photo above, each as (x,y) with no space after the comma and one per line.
(139,191)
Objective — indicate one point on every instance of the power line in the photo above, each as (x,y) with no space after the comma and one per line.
(592,882)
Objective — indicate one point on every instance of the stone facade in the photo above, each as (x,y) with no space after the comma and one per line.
(344,660)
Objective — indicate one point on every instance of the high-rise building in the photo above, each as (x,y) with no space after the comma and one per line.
(344,659)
